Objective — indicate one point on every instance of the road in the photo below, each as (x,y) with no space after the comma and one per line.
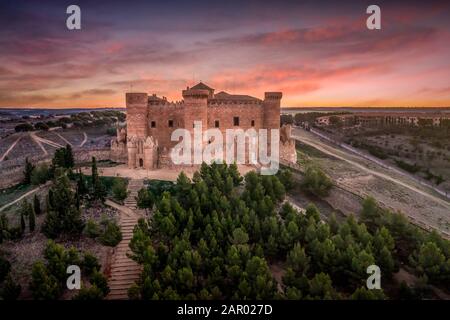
(19,198)
(339,154)
(420,195)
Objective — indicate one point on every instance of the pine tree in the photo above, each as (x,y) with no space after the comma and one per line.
(431,260)
(63,215)
(43,285)
(298,260)
(370,213)
(37,205)
(321,287)
(387,263)
(364,294)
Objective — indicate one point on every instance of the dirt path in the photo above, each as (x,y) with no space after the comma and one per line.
(64,139)
(10,148)
(124,271)
(19,198)
(84,140)
(38,142)
(332,151)
(49,142)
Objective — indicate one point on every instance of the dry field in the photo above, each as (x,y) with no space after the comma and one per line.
(361,178)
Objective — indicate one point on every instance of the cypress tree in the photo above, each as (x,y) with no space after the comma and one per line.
(22,223)
(69,161)
(50,200)
(31,218)
(81,184)
(37,205)
(97,186)
(28,171)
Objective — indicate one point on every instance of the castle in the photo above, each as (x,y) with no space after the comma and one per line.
(146,140)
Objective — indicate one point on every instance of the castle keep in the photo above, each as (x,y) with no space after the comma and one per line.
(146,141)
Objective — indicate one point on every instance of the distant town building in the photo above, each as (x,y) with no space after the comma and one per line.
(385,118)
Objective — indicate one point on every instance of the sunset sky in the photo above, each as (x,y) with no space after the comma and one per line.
(318,53)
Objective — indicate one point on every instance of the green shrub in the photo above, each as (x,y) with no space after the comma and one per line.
(5,267)
(408,167)
(63,216)
(90,263)
(58,259)
(44,286)
(111,131)
(316,182)
(119,189)
(111,235)
(10,290)
(40,174)
(92,229)
(286,178)
(91,293)
(99,280)
(23,127)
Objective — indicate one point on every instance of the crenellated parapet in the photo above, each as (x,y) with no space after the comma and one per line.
(222,102)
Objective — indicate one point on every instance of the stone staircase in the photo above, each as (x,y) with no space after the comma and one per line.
(124,271)
(133,188)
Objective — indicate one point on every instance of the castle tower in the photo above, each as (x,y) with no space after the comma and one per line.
(137,127)
(271,105)
(195,107)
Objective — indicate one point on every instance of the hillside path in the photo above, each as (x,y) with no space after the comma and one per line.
(125,271)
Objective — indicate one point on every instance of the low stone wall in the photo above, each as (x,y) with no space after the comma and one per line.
(86,155)
(12,170)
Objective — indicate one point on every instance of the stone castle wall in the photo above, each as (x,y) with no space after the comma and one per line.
(158,118)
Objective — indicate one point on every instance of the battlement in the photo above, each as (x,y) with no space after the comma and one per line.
(273,95)
(166,104)
(218,102)
(136,98)
(196,93)
(161,106)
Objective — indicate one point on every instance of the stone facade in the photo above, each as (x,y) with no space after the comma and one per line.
(146,142)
